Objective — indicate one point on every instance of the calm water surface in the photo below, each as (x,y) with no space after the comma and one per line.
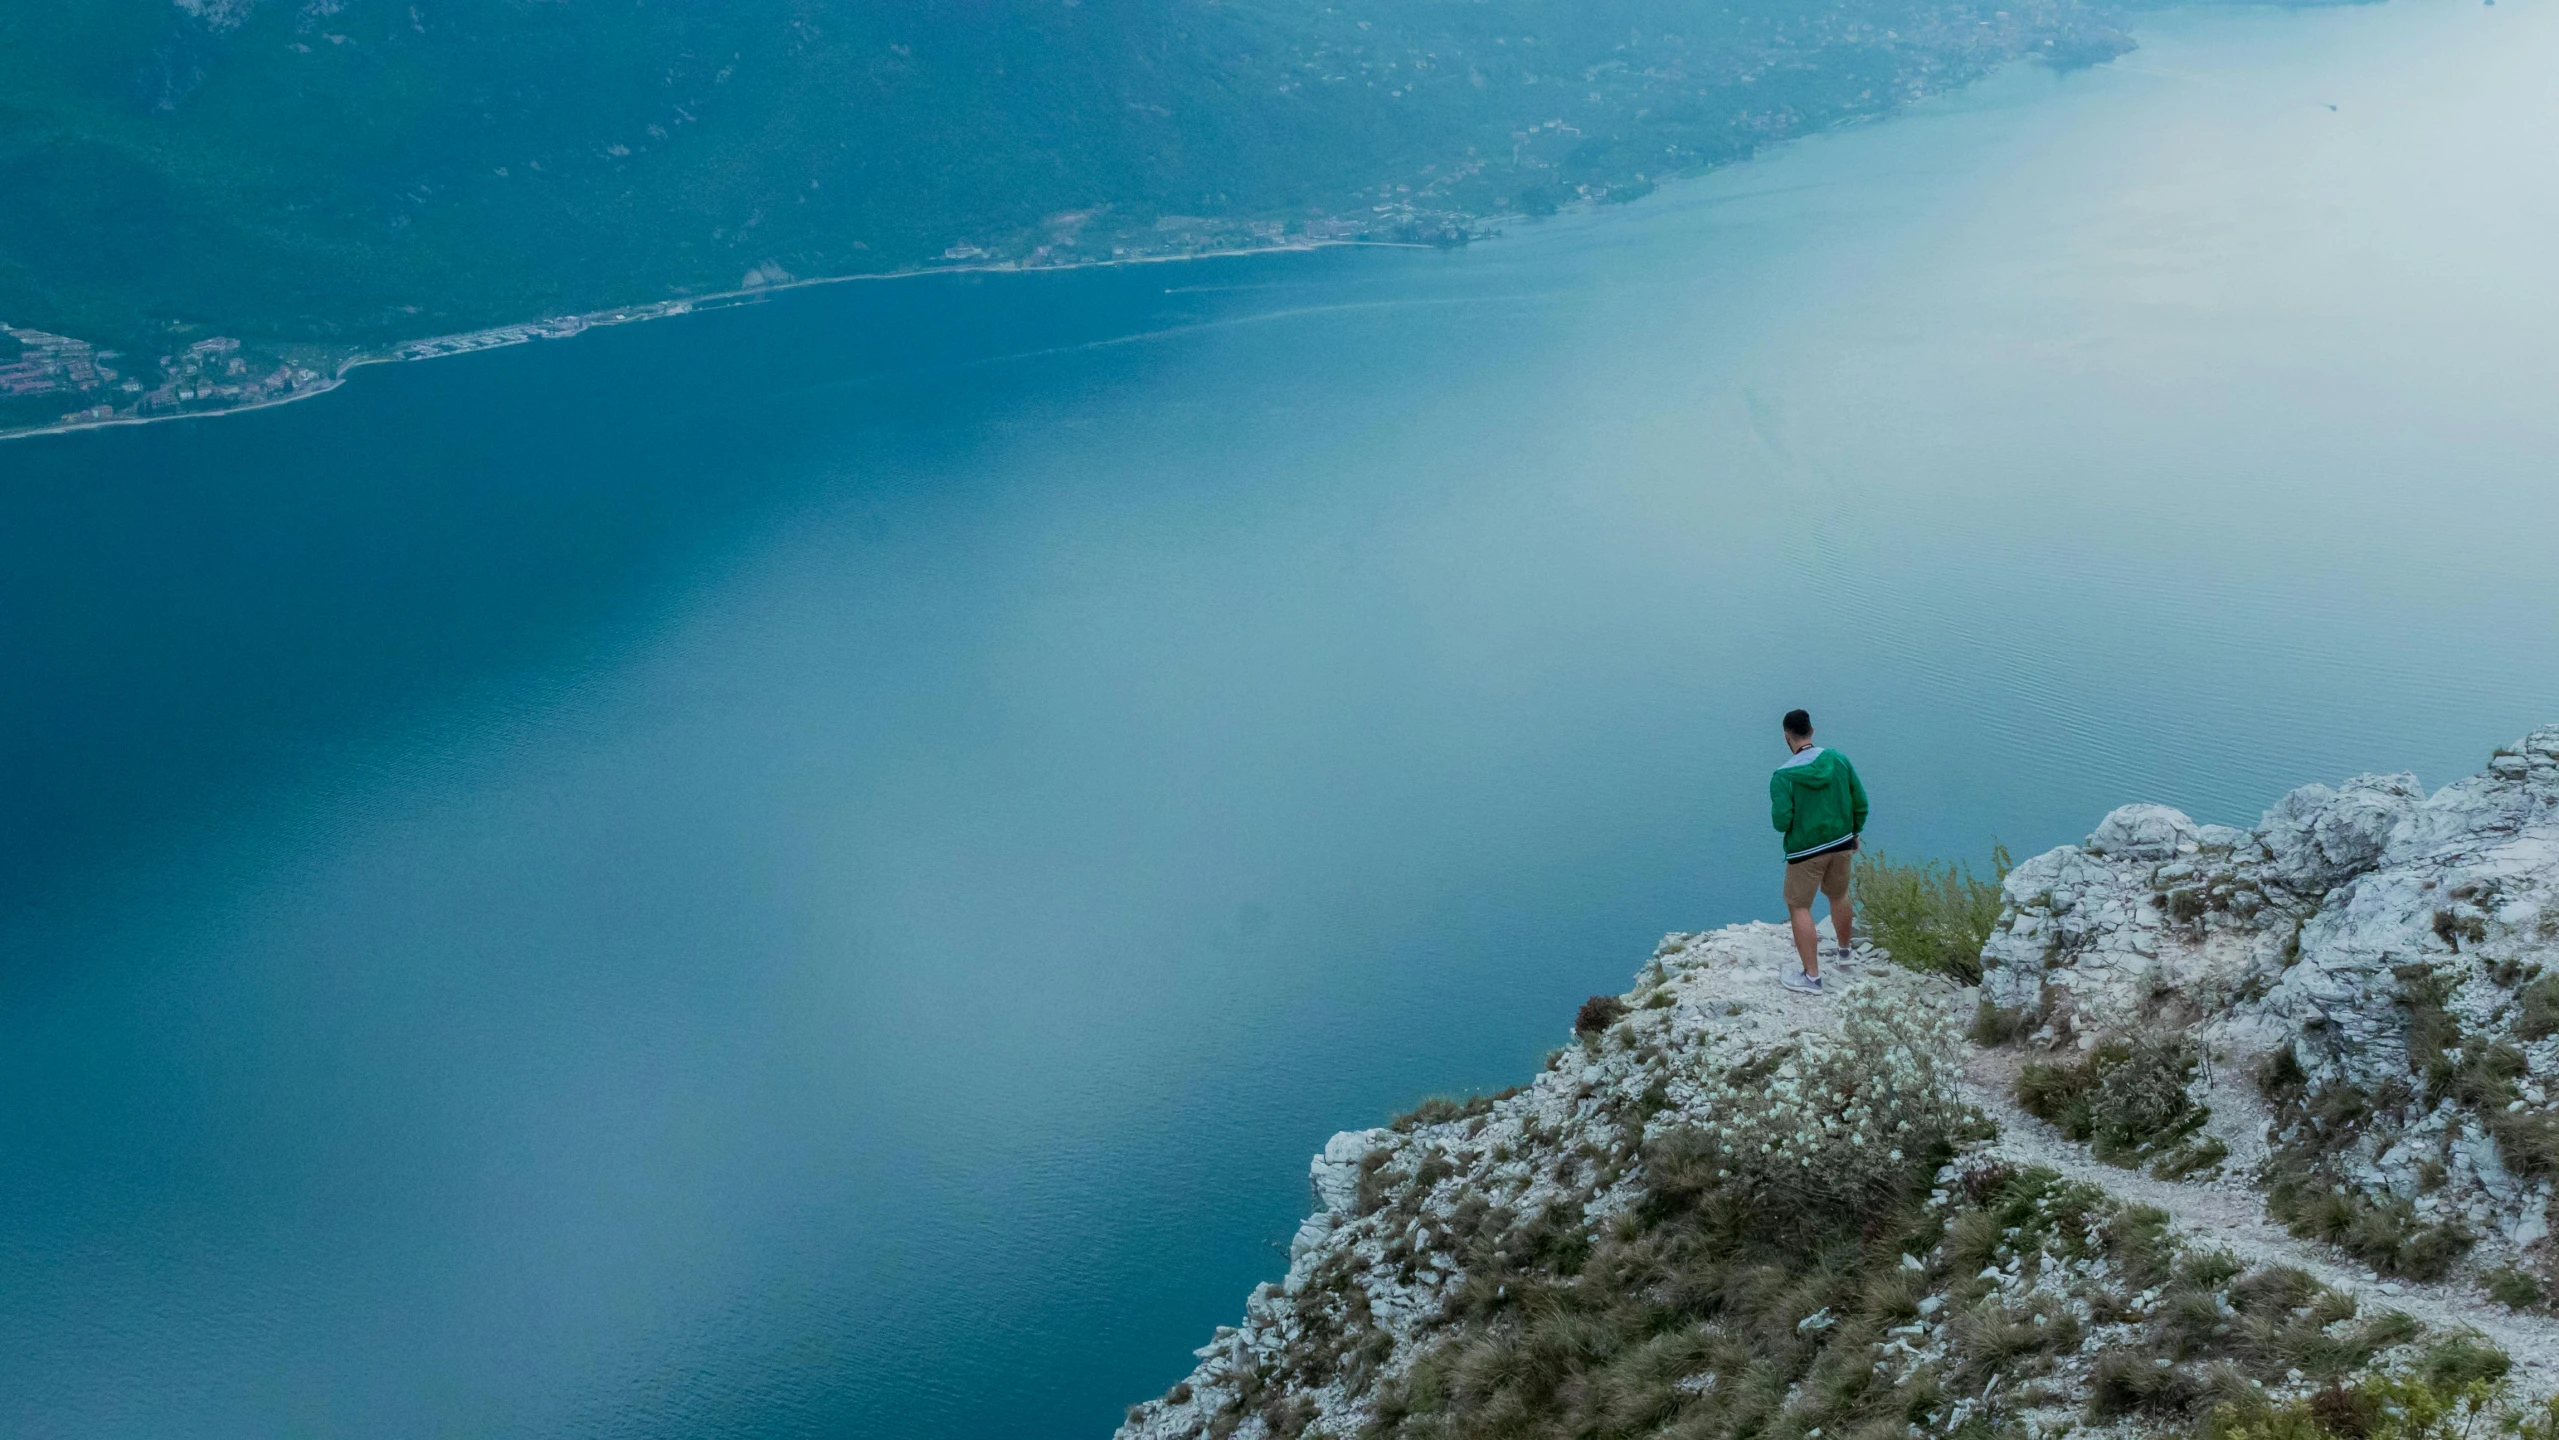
(818,870)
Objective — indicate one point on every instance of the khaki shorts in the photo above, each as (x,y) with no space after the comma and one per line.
(1825,873)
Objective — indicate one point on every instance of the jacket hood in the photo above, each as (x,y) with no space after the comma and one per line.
(1811,768)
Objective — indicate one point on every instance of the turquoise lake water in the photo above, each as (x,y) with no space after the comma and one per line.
(819,869)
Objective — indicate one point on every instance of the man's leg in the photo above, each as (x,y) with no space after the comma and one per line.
(1841,911)
(1803,881)
(1807,939)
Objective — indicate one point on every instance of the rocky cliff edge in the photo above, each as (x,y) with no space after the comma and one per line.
(2243,1130)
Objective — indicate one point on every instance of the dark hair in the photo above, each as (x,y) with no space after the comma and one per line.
(1798,724)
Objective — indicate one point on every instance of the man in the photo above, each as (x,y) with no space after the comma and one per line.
(1818,806)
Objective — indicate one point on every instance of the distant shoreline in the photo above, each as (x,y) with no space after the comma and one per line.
(1471,199)
(565,327)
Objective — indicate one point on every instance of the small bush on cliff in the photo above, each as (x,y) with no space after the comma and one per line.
(1443,1109)
(2316,1187)
(1996,1025)
(1842,1124)
(2539,1019)
(2482,1075)
(2128,1100)
(2308,1191)
(2443,1399)
(1597,1014)
(2515,1289)
(1933,916)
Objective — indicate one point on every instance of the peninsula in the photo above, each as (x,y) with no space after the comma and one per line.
(2240,1132)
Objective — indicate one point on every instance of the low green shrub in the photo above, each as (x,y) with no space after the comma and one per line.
(1597,1014)
(1842,1123)
(1933,916)
(2199,1153)
(1995,1025)
(2132,1381)
(2458,1360)
(2427,1405)
(2481,1075)
(1442,1109)
(2383,1230)
(2515,1289)
(2540,1009)
(2127,1099)
(2305,1187)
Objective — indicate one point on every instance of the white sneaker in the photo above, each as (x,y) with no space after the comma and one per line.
(1831,954)
(1800,982)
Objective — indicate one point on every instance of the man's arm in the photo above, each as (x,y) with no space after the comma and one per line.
(1781,802)
(1856,801)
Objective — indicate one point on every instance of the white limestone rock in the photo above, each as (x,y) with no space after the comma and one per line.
(2142,832)
(2099,935)
(1334,1177)
(2320,931)
(2316,839)
(1705,999)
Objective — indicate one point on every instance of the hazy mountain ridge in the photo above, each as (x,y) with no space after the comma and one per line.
(320,178)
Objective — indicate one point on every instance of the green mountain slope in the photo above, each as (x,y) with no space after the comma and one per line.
(345,173)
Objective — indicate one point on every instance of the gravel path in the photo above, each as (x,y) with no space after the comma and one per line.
(1734,985)
(2232,1214)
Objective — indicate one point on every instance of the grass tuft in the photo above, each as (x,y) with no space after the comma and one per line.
(2512,1288)
(2128,1100)
(1445,1109)
(2540,1002)
(1995,1025)
(2383,1231)
(1933,916)
(1597,1014)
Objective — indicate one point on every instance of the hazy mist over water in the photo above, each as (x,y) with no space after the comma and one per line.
(819,869)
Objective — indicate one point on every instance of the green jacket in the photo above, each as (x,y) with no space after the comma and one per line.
(1814,800)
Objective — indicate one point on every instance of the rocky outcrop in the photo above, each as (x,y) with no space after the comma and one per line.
(1725,1209)
(2391,956)
(1375,1269)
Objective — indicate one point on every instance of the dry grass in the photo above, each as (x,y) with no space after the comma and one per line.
(1933,916)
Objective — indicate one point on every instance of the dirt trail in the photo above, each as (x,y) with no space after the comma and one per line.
(2232,1214)
(1742,965)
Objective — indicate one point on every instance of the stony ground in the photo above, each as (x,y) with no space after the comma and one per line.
(1711,997)
(2359,1000)
(2226,1209)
